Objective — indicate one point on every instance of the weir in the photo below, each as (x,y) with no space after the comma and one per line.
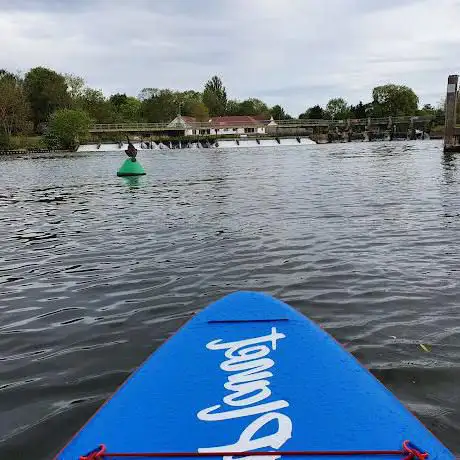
(218,144)
(232,132)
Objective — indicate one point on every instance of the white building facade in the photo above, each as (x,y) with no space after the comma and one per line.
(221,126)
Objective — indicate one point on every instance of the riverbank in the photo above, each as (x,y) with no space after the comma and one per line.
(342,132)
(20,145)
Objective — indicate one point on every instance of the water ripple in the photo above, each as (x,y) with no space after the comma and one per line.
(96,271)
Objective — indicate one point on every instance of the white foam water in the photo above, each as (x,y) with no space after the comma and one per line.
(222,143)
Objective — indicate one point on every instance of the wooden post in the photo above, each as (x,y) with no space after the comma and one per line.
(451,112)
(412,129)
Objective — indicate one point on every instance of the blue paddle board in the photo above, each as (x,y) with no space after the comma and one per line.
(250,373)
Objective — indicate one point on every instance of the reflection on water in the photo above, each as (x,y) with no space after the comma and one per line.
(97,270)
(132,181)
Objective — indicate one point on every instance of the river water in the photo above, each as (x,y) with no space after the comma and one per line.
(97,271)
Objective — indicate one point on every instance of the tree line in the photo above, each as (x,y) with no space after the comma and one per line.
(62,107)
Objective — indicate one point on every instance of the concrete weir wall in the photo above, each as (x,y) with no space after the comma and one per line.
(219,144)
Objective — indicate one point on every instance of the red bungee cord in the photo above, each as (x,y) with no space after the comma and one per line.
(408,452)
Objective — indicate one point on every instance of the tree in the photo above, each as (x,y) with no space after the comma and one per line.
(253,107)
(46,92)
(215,96)
(441,109)
(337,109)
(250,107)
(75,85)
(161,107)
(199,111)
(5,75)
(394,100)
(130,110)
(277,112)
(187,100)
(118,100)
(233,107)
(94,103)
(359,110)
(14,108)
(147,93)
(69,127)
(313,113)
(164,105)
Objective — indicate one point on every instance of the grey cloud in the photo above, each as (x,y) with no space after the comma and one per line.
(44,5)
(293,52)
(363,5)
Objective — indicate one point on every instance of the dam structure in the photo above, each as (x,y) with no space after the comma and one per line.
(253,131)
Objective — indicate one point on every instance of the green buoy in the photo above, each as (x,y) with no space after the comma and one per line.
(131,168)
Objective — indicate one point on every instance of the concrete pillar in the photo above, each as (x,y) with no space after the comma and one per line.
(451,111)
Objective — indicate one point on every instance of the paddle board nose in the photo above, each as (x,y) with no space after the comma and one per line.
(251,373)
(246,306)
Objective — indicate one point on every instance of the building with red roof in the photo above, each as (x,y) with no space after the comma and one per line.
(228,125)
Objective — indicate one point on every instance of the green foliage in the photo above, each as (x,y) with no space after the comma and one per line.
(46,92)
(162,106)
(278,113)
(147,93)
(75,86)
(14,108)
(27,142)
(313,113)
(68,127)
(94,103)
(337,109)
(186,100)
(199,111)
(250,107)
(5,140)
(215,96)
(233,107)
(427,109)
(436,112)
(5,75)
(359,111)
(118,99)
(129,110)
(393,100)
(43,91)
(255,106)
(120,108)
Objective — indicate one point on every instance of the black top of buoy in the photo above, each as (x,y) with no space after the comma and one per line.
(131,151)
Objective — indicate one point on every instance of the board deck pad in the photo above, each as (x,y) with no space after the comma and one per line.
(251,373)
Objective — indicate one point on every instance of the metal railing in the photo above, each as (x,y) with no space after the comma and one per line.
(151,127)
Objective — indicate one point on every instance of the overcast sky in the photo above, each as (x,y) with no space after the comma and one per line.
(293,52)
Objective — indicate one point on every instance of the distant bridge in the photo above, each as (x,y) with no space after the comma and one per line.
(384,122)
